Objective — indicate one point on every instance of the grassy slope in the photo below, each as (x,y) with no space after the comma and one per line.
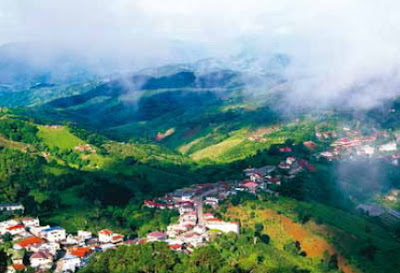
(59,137)
(338,232)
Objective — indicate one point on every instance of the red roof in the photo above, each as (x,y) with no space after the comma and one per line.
(106,231)
(15,227)
(80,251)
(157,234)
(188,203)
(117,237)
(344,139)
(175,246)
(41,255)
(29,241)
(285,149)
(19,266)
(250,185)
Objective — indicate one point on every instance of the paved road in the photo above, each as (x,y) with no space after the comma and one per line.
(198,205)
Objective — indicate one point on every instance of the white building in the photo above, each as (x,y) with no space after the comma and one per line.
(35,230)
(17,229)
(105,236)
(54,234)
(217,224)
(30,222)
(6,224)
(50,247)
(84,235)
(388,147)
(42,259)
(11,207)
(70,263)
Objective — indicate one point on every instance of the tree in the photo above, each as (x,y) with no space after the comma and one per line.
(207,257)
(7,237)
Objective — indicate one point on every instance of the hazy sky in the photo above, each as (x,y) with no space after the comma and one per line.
(335,45)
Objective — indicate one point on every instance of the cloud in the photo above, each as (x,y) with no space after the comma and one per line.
(335,46)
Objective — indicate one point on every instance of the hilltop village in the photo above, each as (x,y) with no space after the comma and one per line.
(53,248)
(43,247)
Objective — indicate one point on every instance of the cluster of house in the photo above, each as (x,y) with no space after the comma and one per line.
(85,148)
(194,227)
(262,178)
(52,248)
(353,143)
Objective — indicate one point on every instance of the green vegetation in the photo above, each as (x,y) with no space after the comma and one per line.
(320,229)
(58,136)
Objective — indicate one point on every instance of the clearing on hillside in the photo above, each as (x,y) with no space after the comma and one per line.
(59,137)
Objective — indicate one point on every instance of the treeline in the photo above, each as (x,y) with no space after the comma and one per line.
(233,253)
(18,130)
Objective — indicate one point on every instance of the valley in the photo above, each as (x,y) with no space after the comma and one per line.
(106,158)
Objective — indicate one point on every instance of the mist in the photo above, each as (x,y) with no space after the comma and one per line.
(341,52)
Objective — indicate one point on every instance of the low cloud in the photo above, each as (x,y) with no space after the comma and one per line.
(341,51)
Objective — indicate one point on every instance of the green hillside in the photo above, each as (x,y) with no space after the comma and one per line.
(58,136)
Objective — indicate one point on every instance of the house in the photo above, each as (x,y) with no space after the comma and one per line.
(329,155)
(17,229)
(105,236)
(208,216)
(388,147)
(212,201)
(27,242)
(156,236)
(218,224)
(35,230)
(30,221)
(187,196)
(107,246)
(117,238)
(250,185)
(50,247)
(274,180)
(186,209)
(84,235)
(80,252)
(11,207)
(194,239)
(42,259)
(290,160)
(284,166)
(310,145)
(71,240)
(54,234)
(367,149)
(188,217)
(6,224)
(69,263)
(149,204)
(285,149)
(16,268)
(175,247)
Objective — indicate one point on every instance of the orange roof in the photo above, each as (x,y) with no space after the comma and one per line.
(214,220)
(80,251)
(106,231)
(29,241)
(116,237)
(19,266)
(15,227)
(175,246)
